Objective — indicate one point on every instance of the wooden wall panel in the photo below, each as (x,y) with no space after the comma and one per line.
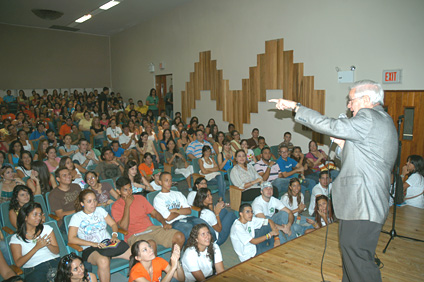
(271,49)
(275,70)
(288,75)
(262,77)
(280,64)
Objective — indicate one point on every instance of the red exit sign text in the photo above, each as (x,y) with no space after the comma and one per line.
(392,76)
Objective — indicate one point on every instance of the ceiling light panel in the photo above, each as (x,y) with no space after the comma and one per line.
(109,5)
(83,18)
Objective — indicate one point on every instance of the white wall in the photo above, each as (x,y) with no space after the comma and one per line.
(372,35)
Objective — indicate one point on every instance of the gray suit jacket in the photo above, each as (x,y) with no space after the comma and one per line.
(361,191)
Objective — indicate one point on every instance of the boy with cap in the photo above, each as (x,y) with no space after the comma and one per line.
(267,206)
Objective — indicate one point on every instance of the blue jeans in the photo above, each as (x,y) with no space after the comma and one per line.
(281,218)
(299,229)
(307,185)
(315,176)
(39,272)
(185,225)
(219,180)
(227,220)
(87,135)
(265,245)
(282,184)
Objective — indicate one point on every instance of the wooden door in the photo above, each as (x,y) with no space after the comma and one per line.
(410,104)
(161,90)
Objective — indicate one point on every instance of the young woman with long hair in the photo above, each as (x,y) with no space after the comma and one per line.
(75,170)
(145,266)
(41,179)
(249,152)
(93,242)
(53,160)
(98,132)
(24,167)
(21,195)
(41,150)
(202,258)
(210,170)
(244,176)
(219,139)
(71,269)
(138,181)
(226,157)
(324,214)
(184,139)
(295,201)
(34,247)
(26,143)
(68,149)
(167,135)
(216,216)
(145,145)
(8,182)
(235,142)
(103,190)
(15,150)
(413,187)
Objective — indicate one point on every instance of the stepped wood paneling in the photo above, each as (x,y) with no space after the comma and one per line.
(275,70)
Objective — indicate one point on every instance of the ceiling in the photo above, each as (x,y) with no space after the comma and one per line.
(125,15)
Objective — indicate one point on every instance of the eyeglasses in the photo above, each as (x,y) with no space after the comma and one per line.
(351,100)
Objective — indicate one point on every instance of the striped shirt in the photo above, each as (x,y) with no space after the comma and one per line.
(195,148)
(261,166)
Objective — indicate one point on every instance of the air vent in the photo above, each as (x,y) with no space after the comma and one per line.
(61,27)
(47,14)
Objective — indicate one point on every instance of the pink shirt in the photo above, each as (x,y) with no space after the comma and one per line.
(50,167)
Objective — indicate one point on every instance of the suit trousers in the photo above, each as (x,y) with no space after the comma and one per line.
(358,241)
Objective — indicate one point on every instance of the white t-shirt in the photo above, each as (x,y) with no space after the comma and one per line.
(155,186)
(190,197)
(80,181)
(316,191)
(124,139)
(42,255)
(192,262)
(210,218)
(26,172)
(91,227)
(294,205)
(259,205)
(114,133)
(81,158)
(241,235)
(416,187)
(164,202)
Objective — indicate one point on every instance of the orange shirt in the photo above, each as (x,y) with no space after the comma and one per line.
(158,265)
(139,211)
(148,170)
(65,129)
(8,116)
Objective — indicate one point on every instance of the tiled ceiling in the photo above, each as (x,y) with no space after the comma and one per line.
(125,15)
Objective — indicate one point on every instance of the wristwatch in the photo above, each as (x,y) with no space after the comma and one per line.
(297,107)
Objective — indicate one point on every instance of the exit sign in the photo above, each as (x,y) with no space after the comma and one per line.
(392,76)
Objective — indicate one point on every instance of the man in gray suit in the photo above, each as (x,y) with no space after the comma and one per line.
(361,191)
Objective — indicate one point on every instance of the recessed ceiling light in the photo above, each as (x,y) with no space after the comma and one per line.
(109,5)
(83,18)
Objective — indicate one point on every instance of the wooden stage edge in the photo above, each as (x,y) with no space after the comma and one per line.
(300,259)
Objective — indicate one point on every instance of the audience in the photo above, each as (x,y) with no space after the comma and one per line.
(253,142)
(41,180)
(324,214)
(21,195)
(216,216)
(9,181)
(173,207)
(24,168)
(145,266)
(94,241)
(34,246)
(287,141)
(53,160)
(177,160)
(413,187)
(139,183)
(103,190)
(267,206)
(210,170)
(71,268)
(251,235)
(202,257)
(194,150)
(85,156)
(322,188)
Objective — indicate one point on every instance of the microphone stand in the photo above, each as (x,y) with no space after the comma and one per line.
(398,192)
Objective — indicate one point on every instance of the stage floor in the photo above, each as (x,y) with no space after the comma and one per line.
(300,259)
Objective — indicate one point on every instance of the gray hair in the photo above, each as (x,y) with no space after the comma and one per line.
(371,89)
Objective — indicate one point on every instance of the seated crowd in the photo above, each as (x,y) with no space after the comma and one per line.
(100,163)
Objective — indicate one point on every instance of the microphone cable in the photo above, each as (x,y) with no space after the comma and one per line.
(328,210)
